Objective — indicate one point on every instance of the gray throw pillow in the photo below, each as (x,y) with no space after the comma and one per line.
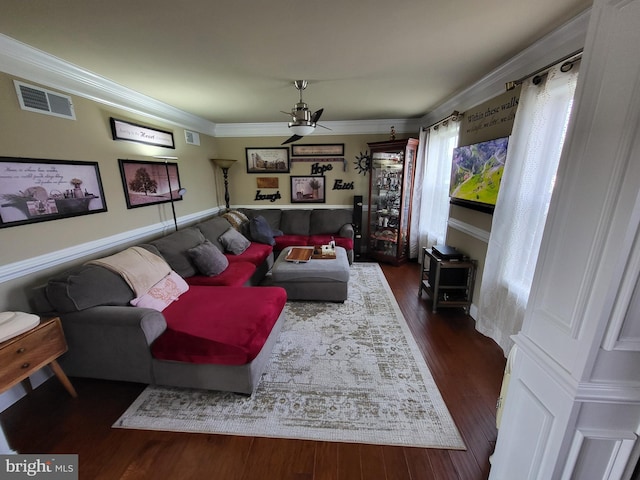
(260,231)
(208,259)
(234,242)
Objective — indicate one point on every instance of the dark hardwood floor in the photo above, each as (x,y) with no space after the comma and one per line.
(467,367)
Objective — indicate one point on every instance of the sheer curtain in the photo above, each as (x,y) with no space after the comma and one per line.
(431,186)
(521,210)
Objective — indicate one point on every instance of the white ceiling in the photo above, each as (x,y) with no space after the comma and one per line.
(235,61)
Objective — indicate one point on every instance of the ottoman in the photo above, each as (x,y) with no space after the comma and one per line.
(318,279)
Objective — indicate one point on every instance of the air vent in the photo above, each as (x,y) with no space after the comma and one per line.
(192,138)
(40,100)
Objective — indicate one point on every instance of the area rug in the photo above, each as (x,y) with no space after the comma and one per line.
(341,372)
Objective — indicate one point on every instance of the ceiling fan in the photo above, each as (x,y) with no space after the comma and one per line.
(303,121)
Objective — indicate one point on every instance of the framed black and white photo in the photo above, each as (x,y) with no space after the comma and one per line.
(308,189)
(37,190)
(149,183)
(267,160)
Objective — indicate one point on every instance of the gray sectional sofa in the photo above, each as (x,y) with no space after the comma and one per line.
(108,338)
(308,227)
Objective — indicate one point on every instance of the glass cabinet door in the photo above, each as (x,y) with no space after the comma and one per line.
(390,189)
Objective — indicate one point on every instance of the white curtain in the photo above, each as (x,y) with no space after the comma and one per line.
(430,210)
(521,210)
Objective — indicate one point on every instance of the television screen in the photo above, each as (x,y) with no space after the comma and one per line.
(476,172)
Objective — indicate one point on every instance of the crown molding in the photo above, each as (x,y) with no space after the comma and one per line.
(563,41)
(22,60)
(349,127)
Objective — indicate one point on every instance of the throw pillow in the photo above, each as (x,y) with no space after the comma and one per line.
(234,242)
(260,231)
(236,219)
(163,293)
(208,259)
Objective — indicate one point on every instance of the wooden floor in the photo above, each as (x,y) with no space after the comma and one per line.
(466,366)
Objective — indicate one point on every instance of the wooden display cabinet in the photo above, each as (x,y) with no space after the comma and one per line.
(390,191)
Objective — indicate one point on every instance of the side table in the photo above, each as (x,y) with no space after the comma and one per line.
(449,283)
(29,352)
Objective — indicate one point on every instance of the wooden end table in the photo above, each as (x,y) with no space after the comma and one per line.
(30,351)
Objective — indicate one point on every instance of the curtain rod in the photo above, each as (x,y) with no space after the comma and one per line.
(568,59)
(455,116)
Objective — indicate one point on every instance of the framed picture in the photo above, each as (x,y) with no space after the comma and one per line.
(132,132)
(149,183)
(35,190)
(267,182)
(318,150)
(309,189)
(267,160)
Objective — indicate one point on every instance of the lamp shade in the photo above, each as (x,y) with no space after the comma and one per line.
(223,162)
(302,129)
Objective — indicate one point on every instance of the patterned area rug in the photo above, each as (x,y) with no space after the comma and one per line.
(347,372)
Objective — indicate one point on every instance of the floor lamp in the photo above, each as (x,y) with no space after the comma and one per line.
(225,165)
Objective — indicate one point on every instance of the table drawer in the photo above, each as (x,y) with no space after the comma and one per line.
(30,352)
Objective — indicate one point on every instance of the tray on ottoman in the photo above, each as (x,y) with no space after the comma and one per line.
(325,280)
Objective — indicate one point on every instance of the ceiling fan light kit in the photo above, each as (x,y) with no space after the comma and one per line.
(303,122)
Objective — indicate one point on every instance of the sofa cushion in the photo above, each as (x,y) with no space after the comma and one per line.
(271,215)
(234,242)
(213,228)
(346,243)
(175,249)
(260,231)
(295,222)
(225,325)
(163,293)
(291,241)
(236,274)
(208,259)
(87,286)
(256,254)
(328,220)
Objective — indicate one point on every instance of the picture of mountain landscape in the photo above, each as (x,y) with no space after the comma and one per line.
(476,171)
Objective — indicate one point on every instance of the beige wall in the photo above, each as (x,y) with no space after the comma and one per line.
(243,188)
(32,135)
(88,138)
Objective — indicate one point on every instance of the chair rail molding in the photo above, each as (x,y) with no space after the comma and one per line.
(32,265)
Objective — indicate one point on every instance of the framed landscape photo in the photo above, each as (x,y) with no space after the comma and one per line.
(308,189)
(267,160)
(149,183)
(36,190)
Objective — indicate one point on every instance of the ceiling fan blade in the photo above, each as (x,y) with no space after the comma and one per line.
(292,138)
(322,126)
(316,115)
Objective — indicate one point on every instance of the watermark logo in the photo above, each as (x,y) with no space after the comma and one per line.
(50,467)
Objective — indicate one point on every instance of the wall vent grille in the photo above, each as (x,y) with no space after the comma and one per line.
(192,138)
(40,100)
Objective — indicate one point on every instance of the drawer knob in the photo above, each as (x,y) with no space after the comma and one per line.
(21,350)
(26,365)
